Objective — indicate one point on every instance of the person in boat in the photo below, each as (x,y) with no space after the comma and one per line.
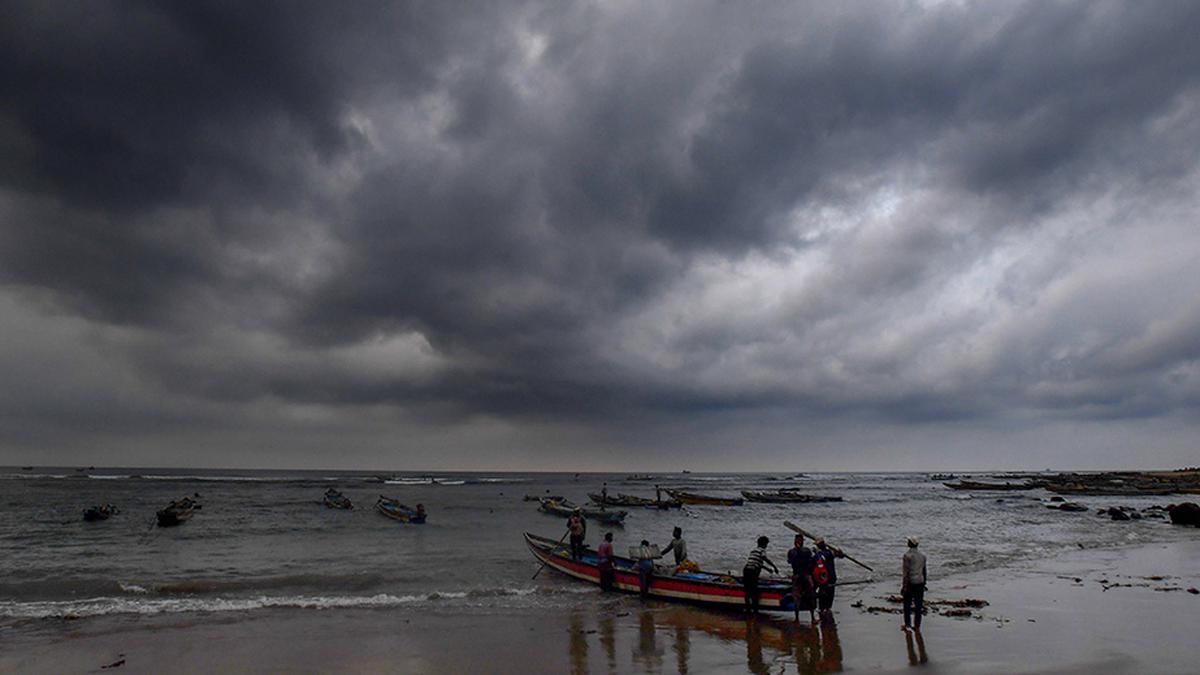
(607,562)
(577,526)
(677,546)
(801,560)
(912,585)
(754,565)
(646,556)
(824,576)
(421,511)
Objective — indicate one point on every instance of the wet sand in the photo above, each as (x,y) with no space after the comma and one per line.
(1039,619)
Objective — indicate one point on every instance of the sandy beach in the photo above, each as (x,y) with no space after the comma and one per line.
(1114,610)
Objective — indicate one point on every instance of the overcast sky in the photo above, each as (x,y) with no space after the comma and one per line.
(600,235)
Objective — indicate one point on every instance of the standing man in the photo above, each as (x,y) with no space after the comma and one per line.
(646,556)
(912,584)
(754,564)
(607,571)
(824,576)
(677,545)
(801,560)
(577,526)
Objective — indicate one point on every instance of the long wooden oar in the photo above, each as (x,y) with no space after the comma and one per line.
(799,530)
(560,541)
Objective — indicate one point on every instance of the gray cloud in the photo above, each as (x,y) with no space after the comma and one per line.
(534,221)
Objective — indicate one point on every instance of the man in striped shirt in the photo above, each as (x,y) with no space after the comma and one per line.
(754,564)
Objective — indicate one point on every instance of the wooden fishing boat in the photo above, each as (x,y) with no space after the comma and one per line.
(632,501)
(566,508)
(336,500)
(703,588)
(980,485)
(703,500)
(103,512)
(177,512)
(399,512)
(786,496)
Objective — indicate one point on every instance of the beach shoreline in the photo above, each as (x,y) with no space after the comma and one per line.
(1089,610)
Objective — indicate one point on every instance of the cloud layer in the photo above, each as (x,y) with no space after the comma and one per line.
(590,235)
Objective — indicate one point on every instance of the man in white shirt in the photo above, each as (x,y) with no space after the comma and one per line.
(912,584)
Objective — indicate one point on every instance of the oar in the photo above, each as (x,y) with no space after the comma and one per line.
(799,530)
(560,541)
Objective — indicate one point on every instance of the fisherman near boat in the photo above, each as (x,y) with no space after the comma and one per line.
(697,587)
(393,509)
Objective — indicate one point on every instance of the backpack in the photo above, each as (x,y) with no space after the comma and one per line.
(820,572)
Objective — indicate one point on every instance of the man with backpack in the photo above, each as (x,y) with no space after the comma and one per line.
(824,576)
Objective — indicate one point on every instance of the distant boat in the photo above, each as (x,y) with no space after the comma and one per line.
(942,476)
(27,468)
(399,512)
(703,500)
(565,508)
(103,512)
(786,497)
(336,500)
(177,512)
(639,476)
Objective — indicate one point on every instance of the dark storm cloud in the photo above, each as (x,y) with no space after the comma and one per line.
(911,213)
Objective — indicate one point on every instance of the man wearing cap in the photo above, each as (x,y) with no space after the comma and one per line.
(912,584)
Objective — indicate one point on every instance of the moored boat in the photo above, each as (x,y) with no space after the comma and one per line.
(565,508)
(980,485)
(632,501)
(393,509)
(102,512)
(177,512)
(336,500)
(786,497)
(703,500)
(698,587)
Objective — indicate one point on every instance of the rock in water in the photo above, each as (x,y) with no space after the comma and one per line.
(1187,513)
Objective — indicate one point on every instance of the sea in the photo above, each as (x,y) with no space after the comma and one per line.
(263,541)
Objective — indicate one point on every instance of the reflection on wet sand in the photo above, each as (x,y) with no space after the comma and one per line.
(918,656)
(770,643)
(578,644)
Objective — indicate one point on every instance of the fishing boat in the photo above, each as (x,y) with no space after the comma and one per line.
(538,498)
(565,508)
(703,588)
(177,512)
(703,500)
(942,476)
(393,509)
(336,500)
(786,496)
(103,512)
(980,485)
(639,476)
(632,501)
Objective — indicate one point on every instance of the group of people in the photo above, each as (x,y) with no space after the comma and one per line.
(814,571)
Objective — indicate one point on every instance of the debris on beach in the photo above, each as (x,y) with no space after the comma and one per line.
(958,613)
(115,664)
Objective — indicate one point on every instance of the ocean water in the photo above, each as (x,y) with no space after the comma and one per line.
(263,541)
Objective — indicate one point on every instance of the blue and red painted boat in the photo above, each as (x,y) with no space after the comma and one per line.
(697,587)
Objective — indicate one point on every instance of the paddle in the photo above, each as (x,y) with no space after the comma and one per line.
(560,541)
(799,530)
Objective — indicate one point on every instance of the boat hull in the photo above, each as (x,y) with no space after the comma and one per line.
(784,498)
(399,514)
(703,500)
(698,588)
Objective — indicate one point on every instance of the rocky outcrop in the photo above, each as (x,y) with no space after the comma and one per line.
(1187,513)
